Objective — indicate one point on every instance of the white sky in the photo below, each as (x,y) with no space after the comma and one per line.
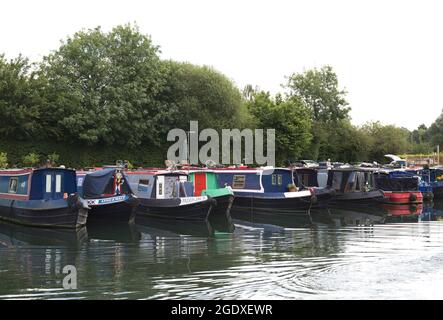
(387,54)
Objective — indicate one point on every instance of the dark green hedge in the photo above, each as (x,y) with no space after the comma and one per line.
(79,156)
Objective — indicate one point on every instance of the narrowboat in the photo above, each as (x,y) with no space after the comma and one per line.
(108,194)
(265,191)
(205,184)
(169,195)
(436,181)
(354,188)
(44,197)
(308,179)
(400,187)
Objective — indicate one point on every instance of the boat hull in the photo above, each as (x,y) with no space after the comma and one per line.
(357,199)
(322,198)
(69,213)
(220,217)
(271,206)
(123,211)
(438,192)
(403,197)
(173,209)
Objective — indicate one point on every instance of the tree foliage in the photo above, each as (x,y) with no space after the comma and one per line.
(318,89)
(290,119)
(31,159)
(108,95)
(3,160)
(204,94)
(103,87)
(20,100)
(386,139)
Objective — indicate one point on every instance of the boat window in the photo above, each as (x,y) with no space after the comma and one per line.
(48,182)
(279,179)
(58,183)
(80,182)
(336,180)
(238,181)
(13,184)
(350,184)
(143,183)
(274,180)
(160,189)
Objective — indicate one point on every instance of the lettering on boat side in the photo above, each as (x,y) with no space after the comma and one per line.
(98,202)
(70,281)
(186,146)
(228,309)
(189,200)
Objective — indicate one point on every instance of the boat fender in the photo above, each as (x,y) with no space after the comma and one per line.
(74,201)
(212,201)
(413,197)
(133,201)
(313,196)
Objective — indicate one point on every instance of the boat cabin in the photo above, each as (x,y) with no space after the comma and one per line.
(37,184)
(346,180)
(261,180)
(160,185)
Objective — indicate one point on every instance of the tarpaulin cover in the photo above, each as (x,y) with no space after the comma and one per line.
(397,184)
(96,183)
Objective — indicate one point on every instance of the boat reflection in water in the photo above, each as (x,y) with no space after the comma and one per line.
(164,227)
(403,213)
(17,235)
(119,231)
(361,217)
(269,221)
(432,211)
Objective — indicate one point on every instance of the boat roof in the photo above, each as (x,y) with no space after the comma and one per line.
(360,169)
(30,170)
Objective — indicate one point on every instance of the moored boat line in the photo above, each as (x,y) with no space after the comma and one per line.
(59,197)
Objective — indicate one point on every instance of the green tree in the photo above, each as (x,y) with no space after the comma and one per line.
(3,160)
(290,119)
(31,159)
(103,87)
(318,89)
(20,99)
(204,94)
(434,135)
(345,143)
(386,139)
(53,158)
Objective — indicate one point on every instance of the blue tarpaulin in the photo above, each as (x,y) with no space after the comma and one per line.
(96,183)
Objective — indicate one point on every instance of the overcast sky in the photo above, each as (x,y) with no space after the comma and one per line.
(387,54)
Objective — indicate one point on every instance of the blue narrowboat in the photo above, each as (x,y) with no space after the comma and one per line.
(108,194)
(436,181)
(265,191)
(45,197)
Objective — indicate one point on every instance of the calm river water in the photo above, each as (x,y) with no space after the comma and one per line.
(389,253)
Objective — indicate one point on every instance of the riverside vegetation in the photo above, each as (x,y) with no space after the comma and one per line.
(103,96)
